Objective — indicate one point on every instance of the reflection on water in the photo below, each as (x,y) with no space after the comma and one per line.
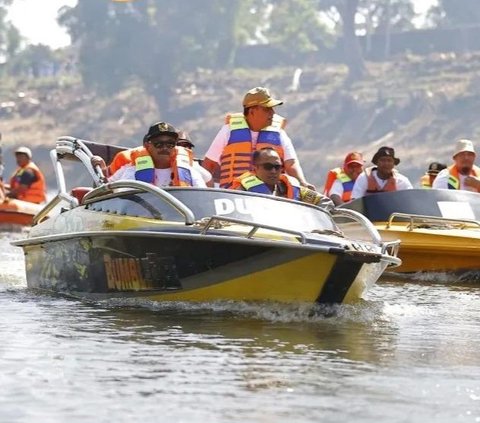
(409,352)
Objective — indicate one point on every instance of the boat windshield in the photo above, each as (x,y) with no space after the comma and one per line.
(204,203)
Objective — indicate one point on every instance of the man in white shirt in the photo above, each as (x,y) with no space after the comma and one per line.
(382,177)
(258,127)
(463,174)
(158,161)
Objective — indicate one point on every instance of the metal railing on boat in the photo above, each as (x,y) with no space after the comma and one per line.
(146,187)
(415,220)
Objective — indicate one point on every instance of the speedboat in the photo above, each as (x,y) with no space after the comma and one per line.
(17,214)
(439,230)
(132,239)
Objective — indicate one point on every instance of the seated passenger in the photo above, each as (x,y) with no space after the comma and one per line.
(382,177)
(340,180)
(27,183)
(159,161)
(267,178)
(463,174)
(185,141)
(434,168)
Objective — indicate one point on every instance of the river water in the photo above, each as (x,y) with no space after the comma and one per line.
(409,353)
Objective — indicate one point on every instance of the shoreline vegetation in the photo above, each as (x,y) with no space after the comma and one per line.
(418,105)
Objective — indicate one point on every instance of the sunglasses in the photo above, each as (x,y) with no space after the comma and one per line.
(163,144)
(270,166)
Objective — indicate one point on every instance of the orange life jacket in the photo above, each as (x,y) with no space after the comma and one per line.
(121,159)
(35,193)
(180,163)
(347,182)
(236,157)
(373,186)
(454,176)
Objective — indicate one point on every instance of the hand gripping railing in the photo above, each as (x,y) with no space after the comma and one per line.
(77,147)
(255,227)
(417,219)
(143,186)
(390,247)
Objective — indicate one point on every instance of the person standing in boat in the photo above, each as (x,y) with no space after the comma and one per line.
(257,127)
(267,178)
(185,141)
(426,181)
(159,161)
(382,177)
(462,174)
(27,182)
(340,180)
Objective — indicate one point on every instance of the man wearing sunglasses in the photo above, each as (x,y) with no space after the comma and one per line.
(268,178)
(159,161)
(243,133)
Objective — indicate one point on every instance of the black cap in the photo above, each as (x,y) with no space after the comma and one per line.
(160,128)
(385,152)
(435,167)
(184,136)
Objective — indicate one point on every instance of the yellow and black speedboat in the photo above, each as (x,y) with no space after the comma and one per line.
(132,239)
(439,230)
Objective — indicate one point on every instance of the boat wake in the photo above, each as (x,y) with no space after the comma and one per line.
(467,277)
(277,312)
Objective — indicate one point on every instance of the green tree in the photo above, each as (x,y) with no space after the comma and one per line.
(10,39)
(152,40)
(296,27)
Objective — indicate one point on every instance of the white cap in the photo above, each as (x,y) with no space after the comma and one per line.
(24,150)
(463,145)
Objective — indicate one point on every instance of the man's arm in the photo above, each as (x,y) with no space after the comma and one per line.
(210,165)
(28,178)
(293,168)
(336,193)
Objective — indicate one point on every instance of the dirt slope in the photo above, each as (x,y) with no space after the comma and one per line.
(418,105)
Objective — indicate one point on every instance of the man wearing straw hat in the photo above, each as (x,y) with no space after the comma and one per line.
(462,174)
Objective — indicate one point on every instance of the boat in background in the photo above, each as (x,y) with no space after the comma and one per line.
(439,230)
(132,239)
(15,215)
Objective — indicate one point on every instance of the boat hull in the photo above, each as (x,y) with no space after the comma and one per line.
(434,250)
(439,230)
(16,214)
(185,269)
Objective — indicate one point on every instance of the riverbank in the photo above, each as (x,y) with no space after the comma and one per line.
(418,105)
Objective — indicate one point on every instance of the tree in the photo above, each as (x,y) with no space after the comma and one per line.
(154,41)
(10,39)
(455,13)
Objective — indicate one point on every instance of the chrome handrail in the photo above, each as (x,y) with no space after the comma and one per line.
(255,227)
(146,187)
(362,220)
(414,219)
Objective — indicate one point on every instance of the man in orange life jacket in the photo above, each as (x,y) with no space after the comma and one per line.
(434,168)
(382,177)
(159,161)
(463,174)
(267,178)
(243,133)
(27,183)
(340,181)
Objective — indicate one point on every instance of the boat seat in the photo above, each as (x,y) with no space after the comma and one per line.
(79,193)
